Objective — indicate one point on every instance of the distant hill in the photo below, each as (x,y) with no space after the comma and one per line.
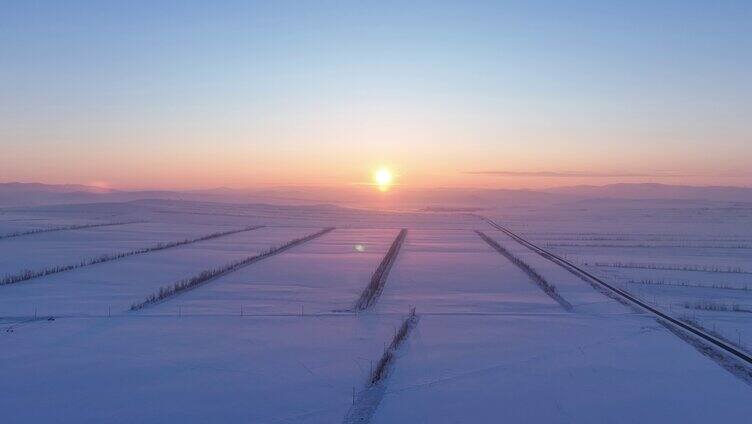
(658,191)
(35,194)
(16,187)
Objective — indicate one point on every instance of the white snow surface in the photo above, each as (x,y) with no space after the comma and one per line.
(275,342)
(324,275)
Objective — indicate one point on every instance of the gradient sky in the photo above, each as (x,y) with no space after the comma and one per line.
(180,94)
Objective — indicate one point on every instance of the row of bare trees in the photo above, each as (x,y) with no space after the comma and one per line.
(31,274)
(208,275)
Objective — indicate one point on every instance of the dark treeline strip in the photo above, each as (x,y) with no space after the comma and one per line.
(541,282)
(166,292)
(64,228)
(712,305)
(654,246)
(635,238)
(380,371)
(378,279)
(663,267)
(719,286)
(29,274)
(366,401)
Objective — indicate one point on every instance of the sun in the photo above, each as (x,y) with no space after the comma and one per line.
(383,179)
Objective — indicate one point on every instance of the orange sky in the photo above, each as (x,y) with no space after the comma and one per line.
(416,157)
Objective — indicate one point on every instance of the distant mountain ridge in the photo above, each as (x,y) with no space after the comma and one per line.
(17,187)
(36,194)
(658,191)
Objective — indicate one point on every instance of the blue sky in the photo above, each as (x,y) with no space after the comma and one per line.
(184,94)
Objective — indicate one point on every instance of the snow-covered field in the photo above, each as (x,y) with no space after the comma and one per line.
(325,275)
(277,340)
(538,368)
(454,271)
(693,259)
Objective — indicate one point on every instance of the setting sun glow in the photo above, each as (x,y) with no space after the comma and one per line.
(383,179)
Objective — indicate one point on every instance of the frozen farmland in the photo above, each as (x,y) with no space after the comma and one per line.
(179,312)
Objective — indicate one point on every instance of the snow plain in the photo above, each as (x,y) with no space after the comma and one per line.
(454,271)
(692,259)
(274,342)
(322,276)
(111,287)
(36,251)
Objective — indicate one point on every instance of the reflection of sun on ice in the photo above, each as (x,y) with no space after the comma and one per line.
(383,179)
